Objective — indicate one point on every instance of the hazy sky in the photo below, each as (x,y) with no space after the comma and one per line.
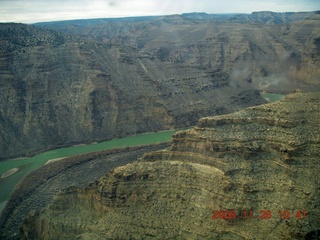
(30,11)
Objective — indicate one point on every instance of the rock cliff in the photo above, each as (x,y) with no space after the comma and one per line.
(36,190)
(101,79)
(60,90)
(276,51)
(262,162)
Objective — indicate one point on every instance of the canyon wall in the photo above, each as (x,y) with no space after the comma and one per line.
(276,51)
(58,90)
(92,82)
(260,165)
(37,190)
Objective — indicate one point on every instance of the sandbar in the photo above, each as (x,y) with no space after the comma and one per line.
(9,172)
(54,160)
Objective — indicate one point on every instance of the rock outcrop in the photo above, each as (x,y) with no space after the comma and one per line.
(60,90)
(262,162)
(36,190)
(276,51)
(108,79)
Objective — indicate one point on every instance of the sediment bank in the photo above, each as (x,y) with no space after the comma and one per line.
(37,189)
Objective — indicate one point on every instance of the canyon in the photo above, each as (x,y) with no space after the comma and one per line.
(259,159)
(113,79)
(76,82)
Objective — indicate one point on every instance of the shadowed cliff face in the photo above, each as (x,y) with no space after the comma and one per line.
(58,90)
(258,159)
(118,78)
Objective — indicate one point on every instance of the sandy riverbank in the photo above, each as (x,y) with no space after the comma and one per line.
(9,172)
(54,160)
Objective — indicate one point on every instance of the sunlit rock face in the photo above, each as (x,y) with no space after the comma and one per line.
(37,190)
(262,162)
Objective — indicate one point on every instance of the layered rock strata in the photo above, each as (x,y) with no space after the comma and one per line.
(57,90)
(276,51)
(36,190)
(263,160)
(119,78)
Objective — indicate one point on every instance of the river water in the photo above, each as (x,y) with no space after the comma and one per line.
(27,165)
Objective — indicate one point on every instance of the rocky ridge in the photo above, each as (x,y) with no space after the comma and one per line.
(269,17)
(52,84)
(36,190)
(257,159)
(116,78)
(266,47)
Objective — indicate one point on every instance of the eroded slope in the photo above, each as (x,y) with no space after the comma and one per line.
(258,159)
(57,90)
(37,189)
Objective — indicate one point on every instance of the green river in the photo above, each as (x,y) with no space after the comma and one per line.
(26,165)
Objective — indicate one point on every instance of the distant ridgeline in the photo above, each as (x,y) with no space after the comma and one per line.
(92,80)
(263,16)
